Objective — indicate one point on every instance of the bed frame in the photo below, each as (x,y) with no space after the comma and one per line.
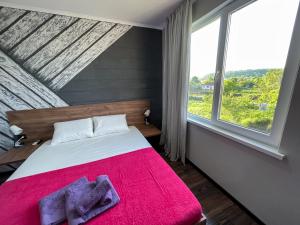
(38,123)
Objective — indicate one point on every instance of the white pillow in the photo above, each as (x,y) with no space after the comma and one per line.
(109,124)
(72,130)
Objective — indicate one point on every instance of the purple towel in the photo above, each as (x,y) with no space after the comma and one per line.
(107,198)
(74,195)
(52,207)
(97,192)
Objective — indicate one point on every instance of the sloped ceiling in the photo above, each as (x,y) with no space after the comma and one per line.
(145,13)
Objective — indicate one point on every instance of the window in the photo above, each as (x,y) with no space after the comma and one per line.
(243,68)
(204,48)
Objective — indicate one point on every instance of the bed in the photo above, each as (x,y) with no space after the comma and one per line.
(47,157)
(150,192)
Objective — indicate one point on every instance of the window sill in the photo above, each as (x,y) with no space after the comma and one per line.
(268,150)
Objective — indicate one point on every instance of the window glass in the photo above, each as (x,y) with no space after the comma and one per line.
(257,49)
(204,48)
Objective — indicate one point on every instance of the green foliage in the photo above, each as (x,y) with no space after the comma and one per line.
(202,107)
(195,80)
(246,73)
(249,101)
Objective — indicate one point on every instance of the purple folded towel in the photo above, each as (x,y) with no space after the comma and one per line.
(88,207)
(97,192)
(107,198)
(52,207)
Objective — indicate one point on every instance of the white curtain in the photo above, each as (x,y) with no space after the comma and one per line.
(176,67)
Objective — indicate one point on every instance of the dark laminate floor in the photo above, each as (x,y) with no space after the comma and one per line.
(218,208)
(4,176)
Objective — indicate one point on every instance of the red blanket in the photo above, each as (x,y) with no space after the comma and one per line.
(150,192)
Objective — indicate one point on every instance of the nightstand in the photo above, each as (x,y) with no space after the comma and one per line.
(148,130)
(20,154)
(152,134)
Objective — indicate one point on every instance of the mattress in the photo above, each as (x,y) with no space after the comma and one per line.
(48,157)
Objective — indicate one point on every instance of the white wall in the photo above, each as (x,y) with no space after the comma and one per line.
(269,188)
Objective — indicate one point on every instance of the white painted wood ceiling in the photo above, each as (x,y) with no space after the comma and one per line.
(144,13)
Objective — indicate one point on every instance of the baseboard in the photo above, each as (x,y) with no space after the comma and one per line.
(257,220)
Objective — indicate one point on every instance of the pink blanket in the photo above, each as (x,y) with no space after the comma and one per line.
(150,192)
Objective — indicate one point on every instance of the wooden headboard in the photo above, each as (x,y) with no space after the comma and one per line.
(38,123)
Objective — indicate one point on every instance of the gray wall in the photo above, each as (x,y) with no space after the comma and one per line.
(130,69)
(201,7)
(269,188)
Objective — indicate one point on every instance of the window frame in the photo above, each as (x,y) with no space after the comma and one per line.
(290,73)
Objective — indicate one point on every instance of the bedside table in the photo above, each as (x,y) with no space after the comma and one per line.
(17,154)
(152,134)
(148,130)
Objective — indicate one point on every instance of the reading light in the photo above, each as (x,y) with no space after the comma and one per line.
(147,114)
(18,135)
(16,130)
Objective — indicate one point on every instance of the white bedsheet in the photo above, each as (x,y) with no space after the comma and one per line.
(48,157)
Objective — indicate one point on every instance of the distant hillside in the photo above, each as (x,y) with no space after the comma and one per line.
(241,73)
(246,73)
